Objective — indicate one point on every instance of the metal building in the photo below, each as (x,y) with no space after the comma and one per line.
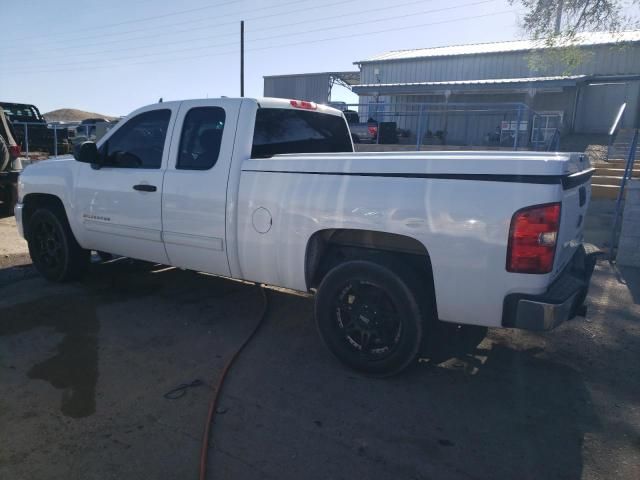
(547,95)
(315,87)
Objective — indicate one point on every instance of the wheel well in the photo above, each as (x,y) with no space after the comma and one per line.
(35,201)
(328,248)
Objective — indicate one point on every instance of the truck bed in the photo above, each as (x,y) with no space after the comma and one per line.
(511,165)
(457,204)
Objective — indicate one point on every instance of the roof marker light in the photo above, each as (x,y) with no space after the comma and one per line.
(303,104)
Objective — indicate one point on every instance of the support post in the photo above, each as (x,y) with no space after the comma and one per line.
(55,141)
(419,128)
(26,138)
(378,123)
(466,129)
(628,172)
(517,135)
(445,131)
(242,58)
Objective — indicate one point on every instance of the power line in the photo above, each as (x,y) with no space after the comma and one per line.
(206,27)
(261,39)
(164,33)
(29,23)
(307,42)
(184,22)
(138,20)
(385,19)
(235,52)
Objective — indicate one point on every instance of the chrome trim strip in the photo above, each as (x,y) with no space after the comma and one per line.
(123,230)
(196,241)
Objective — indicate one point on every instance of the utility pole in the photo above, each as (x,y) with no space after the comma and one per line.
(242,58)
(556,30)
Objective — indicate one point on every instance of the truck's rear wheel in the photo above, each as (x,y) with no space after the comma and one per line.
(53,248)
(369,317)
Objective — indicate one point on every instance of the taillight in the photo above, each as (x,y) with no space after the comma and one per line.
(373,130)
(303,104)
(532,239)
(14,151)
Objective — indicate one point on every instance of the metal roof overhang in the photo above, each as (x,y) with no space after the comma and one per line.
(350,78)
(511,85)
(584,39)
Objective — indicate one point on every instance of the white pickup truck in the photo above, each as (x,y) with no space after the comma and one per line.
(393,245)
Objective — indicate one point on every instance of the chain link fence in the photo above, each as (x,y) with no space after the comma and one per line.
(510,126)
(55,138)
(488,125)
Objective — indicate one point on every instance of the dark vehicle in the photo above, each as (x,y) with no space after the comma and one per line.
(9,166)
(38,135)
(361,132)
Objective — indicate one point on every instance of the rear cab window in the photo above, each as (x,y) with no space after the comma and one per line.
(201,138)
(280,130)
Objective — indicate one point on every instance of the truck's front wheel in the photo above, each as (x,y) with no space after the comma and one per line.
(369,318)
(53,248)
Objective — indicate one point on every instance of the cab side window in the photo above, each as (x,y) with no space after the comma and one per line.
(139,143)
(201,138)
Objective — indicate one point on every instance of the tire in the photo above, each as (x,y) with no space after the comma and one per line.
(53,248)
(368,316)
(4,154)
(9,199)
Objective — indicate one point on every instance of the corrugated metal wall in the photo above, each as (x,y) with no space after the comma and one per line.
(597,108)
(599,105)
(600,60)
(313,87)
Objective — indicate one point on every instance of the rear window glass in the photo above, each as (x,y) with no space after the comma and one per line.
(298,131)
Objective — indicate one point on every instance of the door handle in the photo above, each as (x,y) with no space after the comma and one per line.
(143,187)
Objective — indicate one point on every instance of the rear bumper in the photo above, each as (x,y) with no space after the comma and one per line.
(562,301)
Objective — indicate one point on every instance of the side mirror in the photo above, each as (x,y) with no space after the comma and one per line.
(87,153)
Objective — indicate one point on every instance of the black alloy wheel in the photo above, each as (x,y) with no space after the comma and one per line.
(367,319)
(53,248)
(368,316)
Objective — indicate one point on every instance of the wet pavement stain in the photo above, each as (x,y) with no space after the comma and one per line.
(74,368)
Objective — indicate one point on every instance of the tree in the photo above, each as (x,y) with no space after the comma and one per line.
(557,24)
(559,21)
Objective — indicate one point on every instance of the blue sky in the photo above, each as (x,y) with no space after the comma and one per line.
(113,56)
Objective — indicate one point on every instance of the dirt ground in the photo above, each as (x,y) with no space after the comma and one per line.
(84,366)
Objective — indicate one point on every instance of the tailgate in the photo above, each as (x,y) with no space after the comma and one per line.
(576,188)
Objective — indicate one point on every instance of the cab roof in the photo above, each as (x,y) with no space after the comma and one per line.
(271,102)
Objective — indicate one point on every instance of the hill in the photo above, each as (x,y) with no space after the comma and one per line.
(72,115)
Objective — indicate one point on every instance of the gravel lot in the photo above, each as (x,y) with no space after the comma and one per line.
(84,366)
